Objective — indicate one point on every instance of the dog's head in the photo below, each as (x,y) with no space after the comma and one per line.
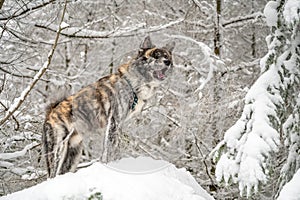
(154,64)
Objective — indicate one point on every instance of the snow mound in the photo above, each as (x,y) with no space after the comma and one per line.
(128,179)
(291,190)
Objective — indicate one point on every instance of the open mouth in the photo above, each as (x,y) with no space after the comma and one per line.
(160,74)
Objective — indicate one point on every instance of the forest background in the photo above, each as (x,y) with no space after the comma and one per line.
(51,48)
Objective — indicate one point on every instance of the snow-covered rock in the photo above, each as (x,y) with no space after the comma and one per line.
(128,179)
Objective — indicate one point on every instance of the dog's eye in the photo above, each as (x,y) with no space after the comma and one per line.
(167,62)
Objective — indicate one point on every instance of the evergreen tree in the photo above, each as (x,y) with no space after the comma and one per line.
(270,118)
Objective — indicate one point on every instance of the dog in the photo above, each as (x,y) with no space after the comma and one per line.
(102,107)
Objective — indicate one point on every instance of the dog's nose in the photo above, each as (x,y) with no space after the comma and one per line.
(167,62)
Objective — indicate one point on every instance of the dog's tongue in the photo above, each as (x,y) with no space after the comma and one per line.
(159,74)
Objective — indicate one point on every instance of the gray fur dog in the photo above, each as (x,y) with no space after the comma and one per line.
(102,106)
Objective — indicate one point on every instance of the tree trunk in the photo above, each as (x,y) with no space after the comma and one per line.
(1,3)
(217,36)
(216,82)
(253,37)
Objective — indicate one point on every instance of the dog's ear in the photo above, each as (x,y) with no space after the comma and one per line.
(147,44)
(170,46)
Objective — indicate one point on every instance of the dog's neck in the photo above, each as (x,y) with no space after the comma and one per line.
(141,88)
(134,99)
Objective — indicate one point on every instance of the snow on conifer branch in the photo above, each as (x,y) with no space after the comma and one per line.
(244,154)
(291,129)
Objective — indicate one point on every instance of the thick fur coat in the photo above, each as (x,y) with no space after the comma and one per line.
(102,106)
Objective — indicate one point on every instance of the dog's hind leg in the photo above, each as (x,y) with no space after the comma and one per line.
(49,144)
(70,153)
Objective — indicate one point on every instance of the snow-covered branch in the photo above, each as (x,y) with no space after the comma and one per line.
(8,156)
(79,32)
(245,153)
(19,75)
(26,9)
(209,57)
(253,136)
(18,101)
(292,141)
(242,19)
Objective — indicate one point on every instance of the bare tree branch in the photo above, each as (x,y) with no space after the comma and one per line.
(14,118)
(24,11)
(19,75)
(18,102)
(204,159)
(229,22)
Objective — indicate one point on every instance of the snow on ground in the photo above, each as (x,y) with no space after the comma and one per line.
(128,179)
(291,190)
